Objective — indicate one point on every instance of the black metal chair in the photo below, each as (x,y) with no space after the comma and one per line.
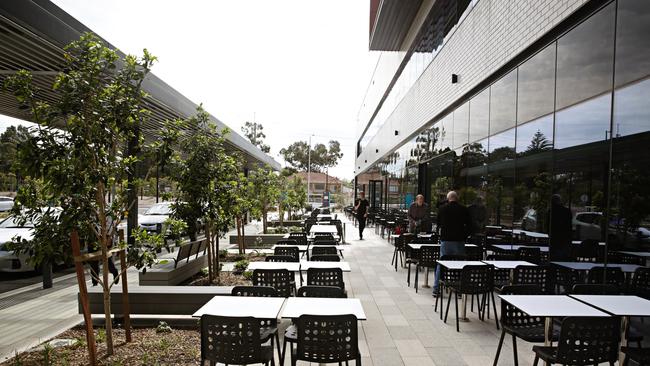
(583,341)
(233,340)
(474,252)
(586,251)
(519,324)
(281,280)
(326,277)
(325,236)
(290,251)
(612,276)
(534,275)
(300,238)
(290,242)
(474,280)
(447,278)
(325,258)
(639,355)
(324,250)
(268,327)
(529,254)
(428,259)
(399,253)
(279,258)
(595,289)
(640,284)
(326,339)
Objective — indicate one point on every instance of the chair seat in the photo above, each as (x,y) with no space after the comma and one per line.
(640,355)
(291,334)
(546,353)
(267,333)
(532,334)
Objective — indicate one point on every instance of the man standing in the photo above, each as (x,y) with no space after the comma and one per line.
(559,230)
(454,225)
(361,209)
(418,215)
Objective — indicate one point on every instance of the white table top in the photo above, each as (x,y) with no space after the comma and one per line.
(344,266)
(508,264)
(290,266)
(425,235)
(551,305)
(239,306)
(301,248)
(418,246)
(460,264)
(516,247)
(321,216)
(323,229)
(585,266)
(638,254)
(619,305)
(297,306)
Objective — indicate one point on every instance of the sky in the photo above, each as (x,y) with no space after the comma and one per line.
(297,67)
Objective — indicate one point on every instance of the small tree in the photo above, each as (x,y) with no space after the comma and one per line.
(77,148)
(241,203)
(296,196)
(266,190)
(254,133)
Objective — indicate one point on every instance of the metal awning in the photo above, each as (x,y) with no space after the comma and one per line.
(390,21)
(32,36)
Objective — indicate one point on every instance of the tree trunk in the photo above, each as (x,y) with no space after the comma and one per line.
(107,302)
(264,213)
(217,259)
(210,274)
(46,272)
(243,237)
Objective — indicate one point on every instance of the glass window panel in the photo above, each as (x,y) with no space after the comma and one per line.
(461,126)
(502,146)
(632,109)
(585,57)
(535,89)
(535,136)
(632,41)
(446,132)
(503,103)
(583,123)
(479,116)
(476,153)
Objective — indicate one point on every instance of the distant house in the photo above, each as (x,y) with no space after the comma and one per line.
(320,183)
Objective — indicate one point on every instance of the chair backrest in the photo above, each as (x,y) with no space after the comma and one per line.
(290,251)
(323,236)
(587,251)
(325,277)
(256,291)
(336,341)
(594,289)
(324,241)
(626,259)
(403,239)
(203,246)
(511,315)
(453,257)
(321,250)
(476,279)
(429,255)
(279,279)
(279,258)
(499,256)
(614,276)
(290,242)
(325,258)
(230,340)
(589,340)
(195,248)
(530,254)
(184,252)
(533,275)
(474,253)
(300,238)
(640,284)
(321,291)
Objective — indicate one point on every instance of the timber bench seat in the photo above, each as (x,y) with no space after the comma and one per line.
(155,300)
(190,260)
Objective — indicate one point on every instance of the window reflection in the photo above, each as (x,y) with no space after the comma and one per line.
(632,109)
(535,136)
(632,41)
(461,126)
(584,123)
(502,146)
(503,103)
(479,116)
(585,57)
(535,92)
(446,132)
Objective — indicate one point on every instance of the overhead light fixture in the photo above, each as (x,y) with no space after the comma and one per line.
(454,78)
(365,161)
(376,150)
(396,132)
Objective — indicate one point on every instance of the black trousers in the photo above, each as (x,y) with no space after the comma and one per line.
(362,225)
(111,268)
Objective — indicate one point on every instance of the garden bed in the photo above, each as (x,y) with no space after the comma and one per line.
(225,279)
(176,347)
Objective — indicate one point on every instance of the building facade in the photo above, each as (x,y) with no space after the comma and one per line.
(509,103)
(319,183)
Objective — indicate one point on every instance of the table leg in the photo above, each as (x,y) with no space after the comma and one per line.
(625,323)
(463,308)
(548,333)
(426,278)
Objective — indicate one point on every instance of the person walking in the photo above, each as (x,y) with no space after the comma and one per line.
(361,210)
(559,230)
(418,215)
(454,225)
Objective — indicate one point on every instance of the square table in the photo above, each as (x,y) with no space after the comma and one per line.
(329,229)
(586,266)
(550,306)
(515,247)
(344,266)
(619,305)
(297,306)
(459,265)
(289,266)
(508,264)
(240,306)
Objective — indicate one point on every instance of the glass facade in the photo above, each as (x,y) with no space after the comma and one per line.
(573,119)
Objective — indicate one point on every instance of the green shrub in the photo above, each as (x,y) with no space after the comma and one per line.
(248,275)
(241,265)
(163,327)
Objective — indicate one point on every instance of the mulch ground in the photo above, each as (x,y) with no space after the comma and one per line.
(178,347)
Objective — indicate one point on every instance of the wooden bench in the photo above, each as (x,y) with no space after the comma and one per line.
(189,261)
(156,300)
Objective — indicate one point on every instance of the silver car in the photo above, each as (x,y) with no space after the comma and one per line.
(6,203)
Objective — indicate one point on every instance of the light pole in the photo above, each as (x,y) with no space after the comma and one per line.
(309,170)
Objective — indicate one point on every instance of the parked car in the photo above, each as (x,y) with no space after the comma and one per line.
(6,203)
(153,219)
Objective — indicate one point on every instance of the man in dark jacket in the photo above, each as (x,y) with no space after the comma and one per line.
(418,215)
(361,212)
(454,225)
(559,230)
